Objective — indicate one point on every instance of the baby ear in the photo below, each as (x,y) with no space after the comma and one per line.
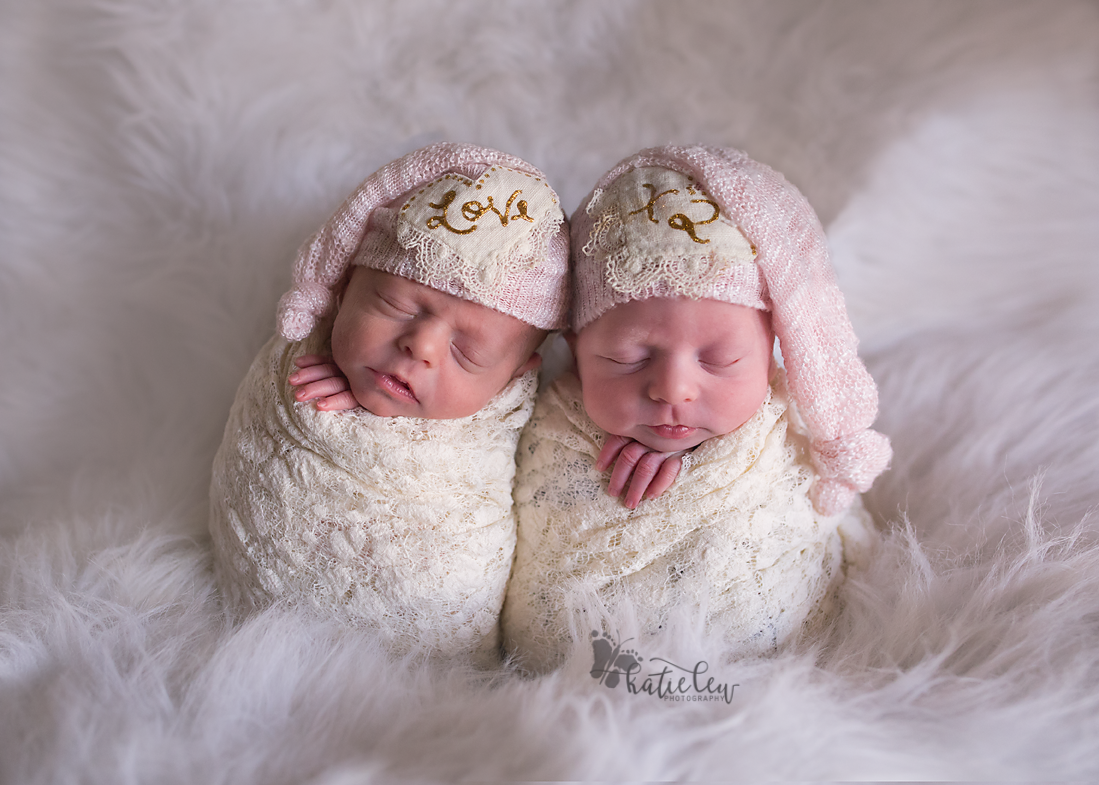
(570,339)
(534,361)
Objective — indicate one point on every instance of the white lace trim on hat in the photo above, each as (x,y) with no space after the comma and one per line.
(658,227)
(480,231)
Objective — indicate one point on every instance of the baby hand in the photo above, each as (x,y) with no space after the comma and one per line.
(321,379)
(649,473)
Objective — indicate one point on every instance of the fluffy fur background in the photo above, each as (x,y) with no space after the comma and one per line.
(161,162)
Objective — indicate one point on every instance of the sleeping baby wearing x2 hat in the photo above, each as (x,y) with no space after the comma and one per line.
(687,263)
(431,287)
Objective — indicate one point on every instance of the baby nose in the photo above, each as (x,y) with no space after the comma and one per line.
(425,340)
(672,383)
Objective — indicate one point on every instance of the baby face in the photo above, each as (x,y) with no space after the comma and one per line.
(673,372)
(408,350)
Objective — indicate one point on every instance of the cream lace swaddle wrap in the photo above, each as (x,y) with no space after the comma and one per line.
(401,524)
(736,534)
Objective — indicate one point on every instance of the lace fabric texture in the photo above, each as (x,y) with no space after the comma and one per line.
(400,524)
(736,534)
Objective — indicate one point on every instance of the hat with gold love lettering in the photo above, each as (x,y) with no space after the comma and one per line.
(466,220)
(710,222)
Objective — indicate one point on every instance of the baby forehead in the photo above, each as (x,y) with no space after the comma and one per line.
(463,314)
(656,316)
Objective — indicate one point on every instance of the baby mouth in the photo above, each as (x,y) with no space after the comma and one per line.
(672,431)
(395,386)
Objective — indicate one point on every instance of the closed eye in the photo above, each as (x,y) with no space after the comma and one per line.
(468,358)
(626,363)
(395,308)
(718,363)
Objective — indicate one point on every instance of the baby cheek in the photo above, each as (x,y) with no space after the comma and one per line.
(607,405)
(463,394)
(742,403)
(342,340)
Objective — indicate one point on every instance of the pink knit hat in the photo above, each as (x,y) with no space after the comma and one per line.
(466,220)
(709,222)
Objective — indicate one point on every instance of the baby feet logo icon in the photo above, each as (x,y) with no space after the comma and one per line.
(610,662)
(670,682)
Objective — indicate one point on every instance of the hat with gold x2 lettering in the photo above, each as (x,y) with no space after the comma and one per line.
(710,222)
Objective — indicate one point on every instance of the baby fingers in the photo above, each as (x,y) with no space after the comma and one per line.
(648,469)
(325,387)
(609,454)
(340,402)
(307,360)
(314,373)
(625,465)
(665,476)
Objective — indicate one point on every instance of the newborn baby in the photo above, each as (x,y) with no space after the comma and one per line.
(687,262)
(445,269)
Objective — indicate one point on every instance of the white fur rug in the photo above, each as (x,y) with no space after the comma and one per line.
(160,163)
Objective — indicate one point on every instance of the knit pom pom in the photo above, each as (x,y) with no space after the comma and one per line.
(846,466)
(831,497)
(855,459)
(300,308)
